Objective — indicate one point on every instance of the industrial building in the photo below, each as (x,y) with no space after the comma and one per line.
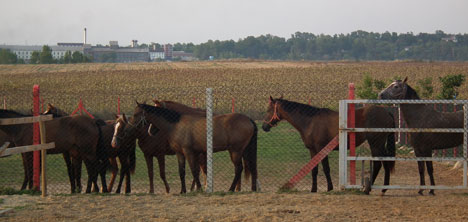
(110,53)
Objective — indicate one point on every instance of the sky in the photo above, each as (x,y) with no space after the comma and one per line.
(34,22)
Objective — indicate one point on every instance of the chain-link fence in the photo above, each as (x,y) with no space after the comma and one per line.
(280,153)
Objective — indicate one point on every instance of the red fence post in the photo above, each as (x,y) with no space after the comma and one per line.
(233,105)
(36,140)
(352,136)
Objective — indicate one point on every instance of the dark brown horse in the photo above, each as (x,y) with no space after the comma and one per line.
(424,116)
(318,126)
(151,146)
(126,154)
(77,136)
(183,109)
(187,137)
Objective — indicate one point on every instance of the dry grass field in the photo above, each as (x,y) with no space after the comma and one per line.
(248,82)
(281,152)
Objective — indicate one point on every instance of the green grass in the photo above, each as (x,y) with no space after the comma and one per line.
(12,191)
(281,153)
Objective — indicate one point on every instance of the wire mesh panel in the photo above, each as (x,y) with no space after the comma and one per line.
(240,87)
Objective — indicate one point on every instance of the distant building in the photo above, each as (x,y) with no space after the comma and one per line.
(168,51)
(184,56)
(156,54)
(451,38)
(24,52)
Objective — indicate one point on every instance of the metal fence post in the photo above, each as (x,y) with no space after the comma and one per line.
(343,138)
(465,144)
(209,140)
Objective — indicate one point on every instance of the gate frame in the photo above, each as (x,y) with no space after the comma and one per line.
(343,138)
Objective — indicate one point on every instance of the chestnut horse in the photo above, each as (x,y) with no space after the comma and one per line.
(76,136)
(424,116)
(318,126)
(186,135)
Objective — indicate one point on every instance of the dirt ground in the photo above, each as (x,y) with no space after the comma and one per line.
(240,207)
(396,205)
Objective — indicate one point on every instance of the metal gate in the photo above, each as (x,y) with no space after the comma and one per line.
(345,157)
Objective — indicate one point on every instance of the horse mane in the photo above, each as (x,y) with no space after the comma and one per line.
(170,115)
(411,93)
(5,113)
(304,109)
(182,105)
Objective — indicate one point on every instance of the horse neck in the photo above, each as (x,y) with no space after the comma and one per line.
(297,120)
(413,113)
(160,123)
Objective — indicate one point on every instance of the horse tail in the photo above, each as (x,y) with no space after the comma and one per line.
(132,157)
(250,155)
(390,148)
(101,150)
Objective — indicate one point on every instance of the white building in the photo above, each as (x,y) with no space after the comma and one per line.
(58,51)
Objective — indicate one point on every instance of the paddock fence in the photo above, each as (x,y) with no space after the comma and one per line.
(281,152)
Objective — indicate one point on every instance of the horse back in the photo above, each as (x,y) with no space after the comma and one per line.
(72,132)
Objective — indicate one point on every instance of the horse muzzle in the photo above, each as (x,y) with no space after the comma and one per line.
(266,127)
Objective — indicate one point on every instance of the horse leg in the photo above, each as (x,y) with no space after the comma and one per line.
(387,167)
(181,161)
(326,171)
(314,175)
(376,166)
(195,168)
(123,173)
(76,163)
(102,172)
(128,186)
(162,171)
(90,177)
(430,171)
(202,163)
(66,157)
(115,170)
(26,160)
(422,182)
(149,165)
(236,159)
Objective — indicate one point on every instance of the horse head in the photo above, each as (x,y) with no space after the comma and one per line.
(119,130)
(272,116)
(396,90)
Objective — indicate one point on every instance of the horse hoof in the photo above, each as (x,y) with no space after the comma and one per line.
(431,193)
(420,193)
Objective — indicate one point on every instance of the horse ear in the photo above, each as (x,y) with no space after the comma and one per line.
(49,105)
(137,102)
(124,117)
(156,102)
(406,79)
(270,100)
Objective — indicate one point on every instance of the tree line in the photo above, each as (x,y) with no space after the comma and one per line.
(358,45)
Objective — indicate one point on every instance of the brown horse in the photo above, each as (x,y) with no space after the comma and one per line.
(318,126)
(183,109)
(76,136)
(187,137)
(126,154)
(424,116)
